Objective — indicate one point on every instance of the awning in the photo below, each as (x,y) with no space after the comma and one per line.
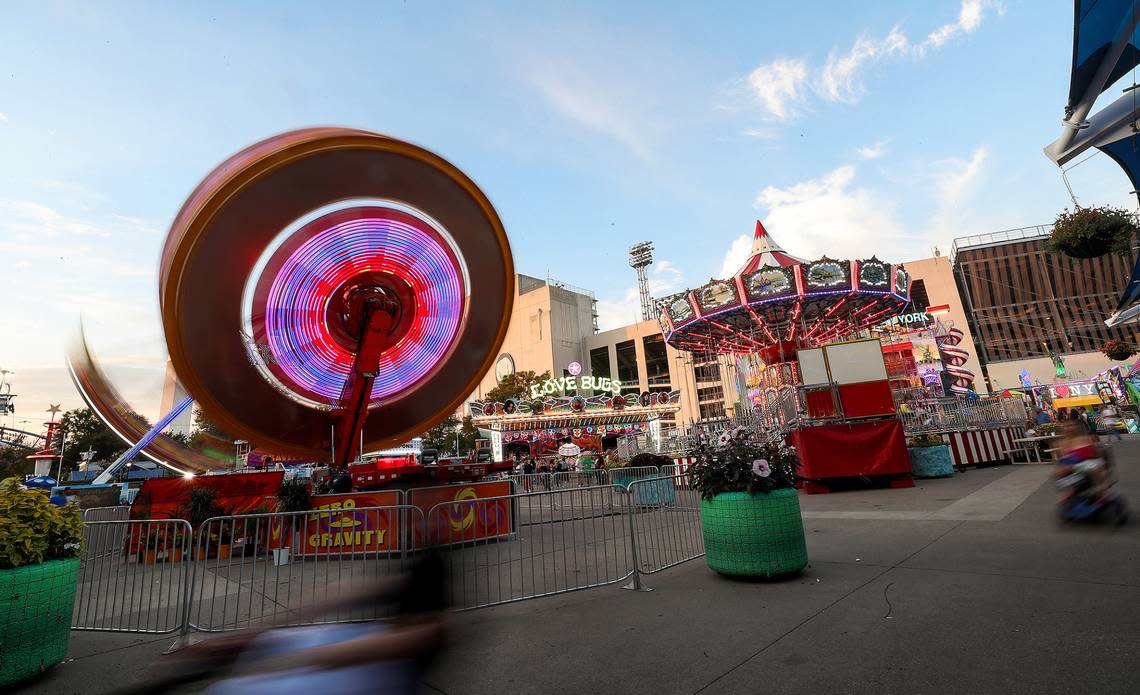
(1102,32)
(1076,401)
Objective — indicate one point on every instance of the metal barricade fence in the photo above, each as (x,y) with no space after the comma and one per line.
(273,569)
(564,540)
(530,482)
(591,478)
(133,576)
(664,522)
(284,569)
(622,477)
(118,513)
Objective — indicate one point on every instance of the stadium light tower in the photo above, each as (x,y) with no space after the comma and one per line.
(640,258)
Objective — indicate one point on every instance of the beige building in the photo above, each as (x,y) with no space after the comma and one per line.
(933,285)
(554,325)
(639,357)
(548,325)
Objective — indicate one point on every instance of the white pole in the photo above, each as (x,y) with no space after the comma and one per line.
(62,447)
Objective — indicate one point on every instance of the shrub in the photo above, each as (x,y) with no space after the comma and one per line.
(924,440)
(293,496)
(1092,232)
(1118,350)
(33,530)
(650,460)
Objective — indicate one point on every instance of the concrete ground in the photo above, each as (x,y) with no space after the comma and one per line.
(960,585)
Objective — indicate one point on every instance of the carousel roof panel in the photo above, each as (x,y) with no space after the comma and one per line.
(770,303)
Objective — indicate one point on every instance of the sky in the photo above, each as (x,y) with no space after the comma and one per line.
(890,129)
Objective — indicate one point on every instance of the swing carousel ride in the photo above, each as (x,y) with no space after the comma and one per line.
(778,323)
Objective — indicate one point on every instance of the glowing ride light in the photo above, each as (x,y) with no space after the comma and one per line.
(288,305)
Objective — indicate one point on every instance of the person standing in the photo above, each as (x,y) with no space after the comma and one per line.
(528,471)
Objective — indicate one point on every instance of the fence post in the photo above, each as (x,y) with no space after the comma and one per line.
(635,583)
(187,588)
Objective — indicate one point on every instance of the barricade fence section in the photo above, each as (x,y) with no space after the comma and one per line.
(568,539)
(665,522)
(119,513)
(564,479)
(622,477)
(133,576)
(299,568)
(531,482)
(283,569)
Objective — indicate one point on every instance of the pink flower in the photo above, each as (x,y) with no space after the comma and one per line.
(761,468)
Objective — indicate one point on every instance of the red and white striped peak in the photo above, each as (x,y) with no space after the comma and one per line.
(766,252)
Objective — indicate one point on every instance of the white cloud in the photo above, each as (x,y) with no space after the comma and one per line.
(841,77)
(958,176)
(3,117)
(779,85)
(735,256)
(761,133)
(594,101)
(954,181)
(59,263)
(831,215)
(664,278)
(970,16)
(869,152)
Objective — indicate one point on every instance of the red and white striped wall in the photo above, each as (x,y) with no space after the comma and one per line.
(981,446)
(683,463)
(966,448)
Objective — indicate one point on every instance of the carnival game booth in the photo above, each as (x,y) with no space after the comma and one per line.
(1113,387)
(593,423)
(848,427)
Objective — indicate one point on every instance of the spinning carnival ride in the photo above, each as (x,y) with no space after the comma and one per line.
(318,298)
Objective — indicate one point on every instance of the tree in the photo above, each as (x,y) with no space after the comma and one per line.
(442,436)
(206,435)
(205,425)
(468,433)
(82,430)
(516,385)
(14,462)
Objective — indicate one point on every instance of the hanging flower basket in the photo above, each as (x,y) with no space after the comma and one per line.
(1092,232)
(1118,350)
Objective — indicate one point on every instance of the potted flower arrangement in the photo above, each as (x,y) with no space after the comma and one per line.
(1092,232)
(750,511)
(929,457)
(200,505)
(1118,350)
(293,496)
(39,569)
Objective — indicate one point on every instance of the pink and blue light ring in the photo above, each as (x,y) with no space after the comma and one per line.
(286,303)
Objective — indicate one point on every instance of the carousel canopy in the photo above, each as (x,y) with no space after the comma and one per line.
(778,300)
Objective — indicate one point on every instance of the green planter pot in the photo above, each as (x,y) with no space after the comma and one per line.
(754,535)
(35,617)
(931,461)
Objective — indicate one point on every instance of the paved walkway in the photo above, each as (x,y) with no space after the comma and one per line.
(961,585)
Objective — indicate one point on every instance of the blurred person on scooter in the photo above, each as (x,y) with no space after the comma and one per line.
(1085,478)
